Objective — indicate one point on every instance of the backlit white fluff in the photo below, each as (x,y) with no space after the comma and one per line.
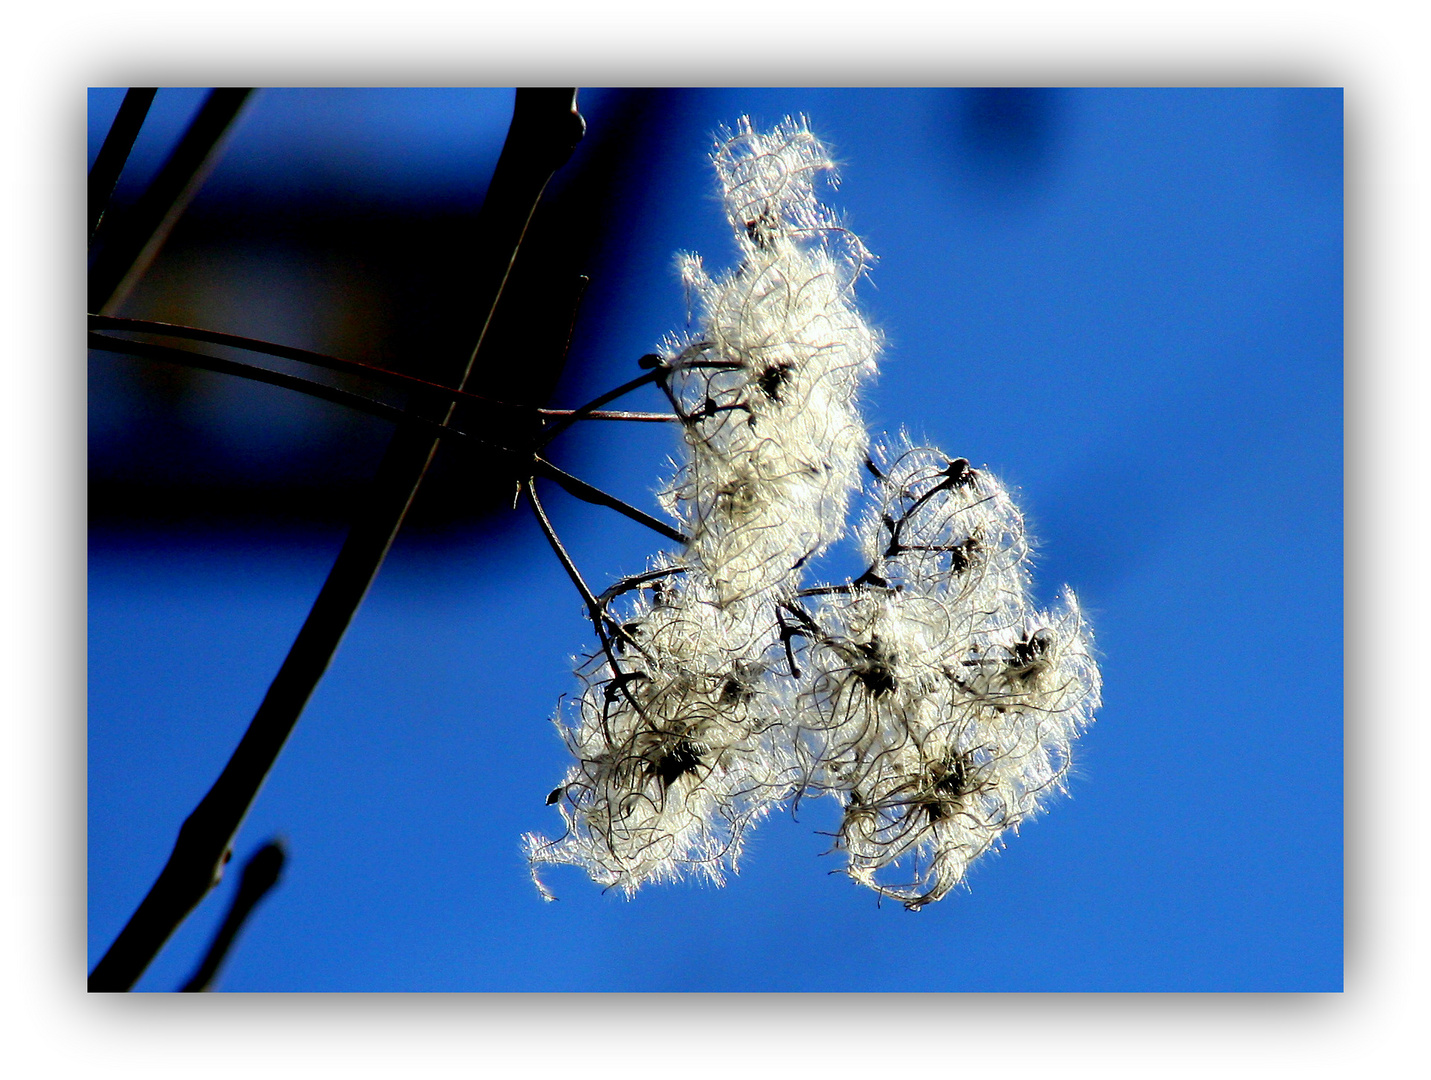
(930,696)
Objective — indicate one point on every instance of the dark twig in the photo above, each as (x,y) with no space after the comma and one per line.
(133,244)
(635,581)
(110,160)
(573,485)
(578,290)
(807,628)
(545,128)
(659,373)
(167,353)
(334,363)
(303,356)
(618,414)
(260,875)
(586,493)
(586,410)
(838,590)
(593,606)
(596,610)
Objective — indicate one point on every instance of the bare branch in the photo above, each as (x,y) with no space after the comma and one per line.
(586,410)
(350,367)
(587,493)
(545,128)
(169,354)
(260,875)
(596,610)
(577,487)
(136,240)
(109,163)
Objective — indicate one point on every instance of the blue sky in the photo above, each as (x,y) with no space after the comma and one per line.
(1128,304)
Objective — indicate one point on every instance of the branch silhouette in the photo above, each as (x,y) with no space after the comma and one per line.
(130,245)
(518,458)
(545,129)
(109,163)
(334,363)
(260,875)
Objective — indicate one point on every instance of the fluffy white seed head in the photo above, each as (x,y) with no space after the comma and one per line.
(939,705)
(768,387)
(677,747)
(930,696)
(673,744)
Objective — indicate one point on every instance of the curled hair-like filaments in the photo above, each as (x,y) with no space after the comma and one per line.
(929,696)
(939,704)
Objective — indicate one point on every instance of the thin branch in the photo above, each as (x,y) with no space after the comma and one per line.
(288,352)
(594,495)
(586,410)
(708,365)
(806,619)
(957,474)
(807,628)
(350,367)
(112,156)
(592,605)
(577,487)
(260,875)
(128,253)
(787,633)
(635,581)
(836,590)
(665,384)
(618,414)
(594,608)
(660,369)
(545,129)
(578,291)
(167,353)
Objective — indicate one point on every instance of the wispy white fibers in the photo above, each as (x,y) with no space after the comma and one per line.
(776,441)
(671,764)
(939,704)
(929,696)
(677,747)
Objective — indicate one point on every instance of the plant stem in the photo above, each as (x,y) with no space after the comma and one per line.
(584,411)
(260,875)
(545,129)
(594,495)
(303,356)
(594,608)
(168,354)
(138,238)
(573,485)
(331,363)
(109,162)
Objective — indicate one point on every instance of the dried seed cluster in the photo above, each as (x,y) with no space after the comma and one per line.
(928,696)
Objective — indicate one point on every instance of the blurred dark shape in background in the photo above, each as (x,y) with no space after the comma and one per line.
(1001,140)
(362,251)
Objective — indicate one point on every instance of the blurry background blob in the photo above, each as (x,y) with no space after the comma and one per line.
(1126,303)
